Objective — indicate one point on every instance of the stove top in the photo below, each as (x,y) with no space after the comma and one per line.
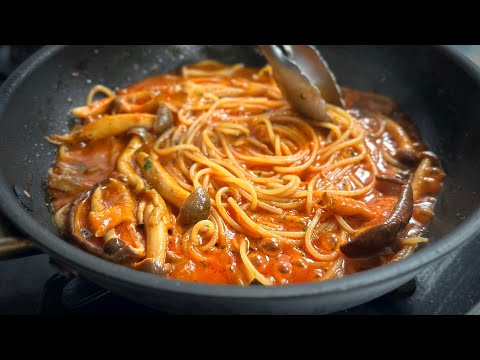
(32,285)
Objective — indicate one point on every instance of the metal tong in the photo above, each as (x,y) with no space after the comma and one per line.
(304,78)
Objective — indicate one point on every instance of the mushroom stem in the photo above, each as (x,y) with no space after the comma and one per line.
(95,108)
(111,125)
(124,164)
(398,134)
(344,206)
(161,180)
(157,221)
(406,153)
(419,175)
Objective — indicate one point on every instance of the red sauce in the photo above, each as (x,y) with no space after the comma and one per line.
(82,165)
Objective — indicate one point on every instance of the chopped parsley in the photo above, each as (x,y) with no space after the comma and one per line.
(259,174)
(148,163)
(305,229)
(146,188)
(284,216)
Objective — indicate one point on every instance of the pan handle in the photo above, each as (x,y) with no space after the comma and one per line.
(14,247)
(12,244)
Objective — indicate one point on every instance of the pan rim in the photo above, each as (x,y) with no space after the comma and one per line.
(84,261)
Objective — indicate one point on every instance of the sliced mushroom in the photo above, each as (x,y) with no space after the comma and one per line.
(423,183)
(123,210)
(161,180)
(110,125)
(164,120)
(124,164)
(78,224)
(136,102)
(111,247)
(104,218)
(61,217)
(195,208)
(345,206)
(379,237)
(95,108)
(155,216)
(406,153)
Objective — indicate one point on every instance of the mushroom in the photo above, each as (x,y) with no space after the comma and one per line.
(94,109)
(89,237)
(154,214)
(106,218)
(379,237)
(78,224)
(154,266)
(408,157)
(61,217)
(195,208)
(161,180)
(140,131)
(124,161)
(164,120)
(110,125)
(136,102)
(116,250)
(406,154)
(391,179)
(344,206)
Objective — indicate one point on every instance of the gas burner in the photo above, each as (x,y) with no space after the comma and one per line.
(63,295)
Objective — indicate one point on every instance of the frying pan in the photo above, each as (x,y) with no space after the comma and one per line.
(437,87)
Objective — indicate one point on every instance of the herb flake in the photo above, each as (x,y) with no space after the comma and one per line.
(148,163)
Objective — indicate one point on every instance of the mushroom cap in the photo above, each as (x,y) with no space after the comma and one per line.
(116,250)
(195,208)
(154,266)
(164,120)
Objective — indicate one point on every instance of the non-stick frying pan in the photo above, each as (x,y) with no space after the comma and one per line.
(438,88)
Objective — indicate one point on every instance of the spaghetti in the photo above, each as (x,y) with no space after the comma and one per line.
(284,194)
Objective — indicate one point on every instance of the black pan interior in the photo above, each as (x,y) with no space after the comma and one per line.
(441,97)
